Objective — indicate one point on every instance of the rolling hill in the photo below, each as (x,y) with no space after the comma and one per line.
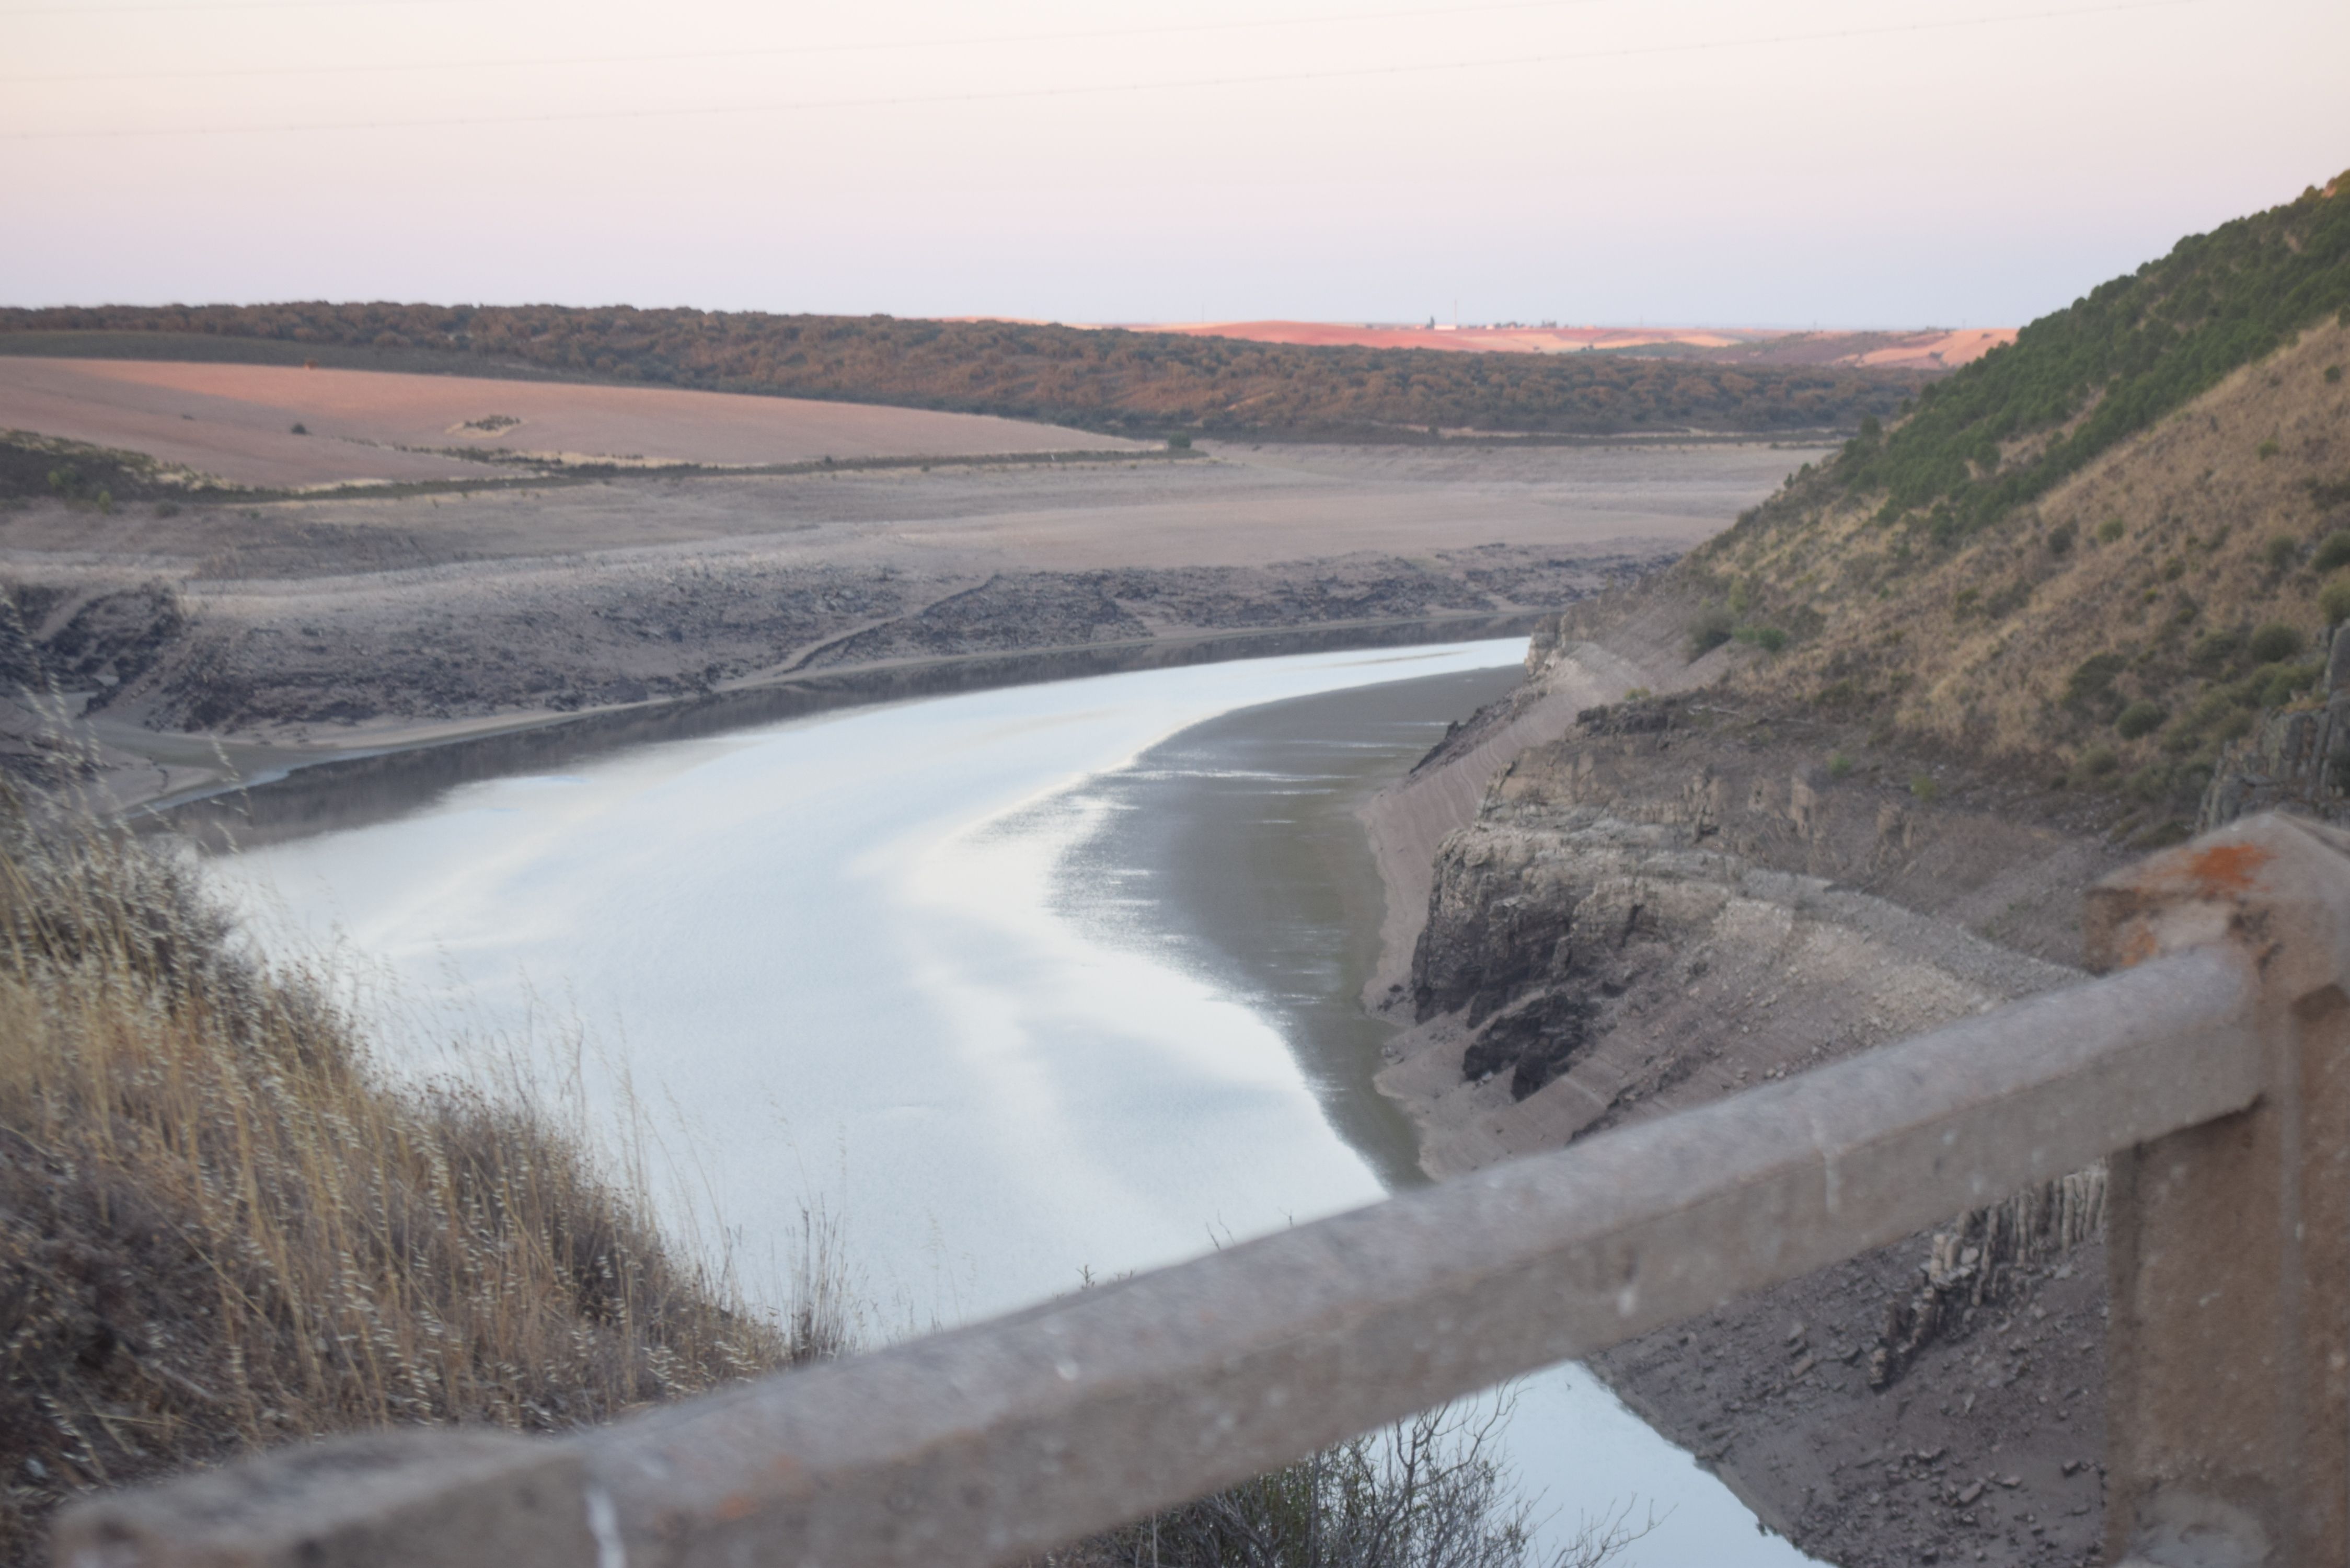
(2102,550)
(1108,380)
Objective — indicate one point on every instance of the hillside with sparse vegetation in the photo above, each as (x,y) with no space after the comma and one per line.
(2100,553)
(1109,379)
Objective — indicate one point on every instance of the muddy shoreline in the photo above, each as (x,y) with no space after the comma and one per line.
(371,784)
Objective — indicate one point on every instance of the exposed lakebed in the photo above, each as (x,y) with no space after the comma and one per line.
(1024,986)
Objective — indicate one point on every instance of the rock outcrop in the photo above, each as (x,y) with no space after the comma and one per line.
(1677,899)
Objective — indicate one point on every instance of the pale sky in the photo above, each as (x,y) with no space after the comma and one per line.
(1850,162)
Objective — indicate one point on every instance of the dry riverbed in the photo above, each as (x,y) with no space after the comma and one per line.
(192,641)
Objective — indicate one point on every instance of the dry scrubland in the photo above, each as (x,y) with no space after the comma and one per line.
(2113,631)
(1931,349)
(1123,382)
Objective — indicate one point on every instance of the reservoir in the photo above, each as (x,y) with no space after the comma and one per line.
(1020,988)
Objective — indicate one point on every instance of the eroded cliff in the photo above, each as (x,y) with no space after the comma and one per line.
(1676,898)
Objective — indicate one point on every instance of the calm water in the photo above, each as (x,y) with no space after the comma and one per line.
(1022,985)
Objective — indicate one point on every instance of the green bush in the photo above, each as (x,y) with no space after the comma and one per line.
(2099,761)
(2060,538)
(1769,639)
(1178,443)
(2333,551)
(2283,551)
(2140,718)
(2269,449)
(1839,766)
(2332,374)
(2333,599)
(1709,631)
(297,427)
(2212,651)
(2091,685)
(1923,786)
(2278,686)
(2274,643)
(2109,530)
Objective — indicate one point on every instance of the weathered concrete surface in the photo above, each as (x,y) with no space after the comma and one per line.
(2229,1401)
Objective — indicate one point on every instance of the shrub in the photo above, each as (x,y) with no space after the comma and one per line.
(2140,718)
(2278,685)
(2333,599)
(2268,450)
(167,509)
(297,427)
(1426,1493)
(2109,530)
(1964,600)
(2060,538)
(1923,787)
(1178,443)
(2333,551)
(1839,766)
(1709,631)
(2332,374)
(2099,761)
(2212,651)
(2091,684)
(1769,639)
(2282,552)
(1741,597)
(2274,643)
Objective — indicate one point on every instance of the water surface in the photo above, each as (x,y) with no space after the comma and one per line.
(1027,985)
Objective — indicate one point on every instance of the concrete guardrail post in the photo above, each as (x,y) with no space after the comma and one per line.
(2228,1406)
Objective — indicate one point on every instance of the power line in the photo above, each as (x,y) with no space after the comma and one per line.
(869,46)
(1008,95)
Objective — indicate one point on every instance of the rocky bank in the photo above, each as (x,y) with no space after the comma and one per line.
(1666,899)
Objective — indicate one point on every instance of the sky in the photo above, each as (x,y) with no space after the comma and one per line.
(1831,163)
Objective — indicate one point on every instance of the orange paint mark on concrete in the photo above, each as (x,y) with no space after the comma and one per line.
(2226,868)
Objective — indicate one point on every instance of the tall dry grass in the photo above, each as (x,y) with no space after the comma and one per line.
(220,1230)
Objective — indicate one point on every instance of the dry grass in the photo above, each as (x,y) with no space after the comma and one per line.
(219,1230)
(2204,526)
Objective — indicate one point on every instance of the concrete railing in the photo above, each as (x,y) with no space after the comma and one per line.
(2215,1073)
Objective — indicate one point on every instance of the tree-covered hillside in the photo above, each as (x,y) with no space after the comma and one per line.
(1108,380)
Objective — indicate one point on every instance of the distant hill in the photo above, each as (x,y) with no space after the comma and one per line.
(2102,549)
(1930,348)
(1109,379)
